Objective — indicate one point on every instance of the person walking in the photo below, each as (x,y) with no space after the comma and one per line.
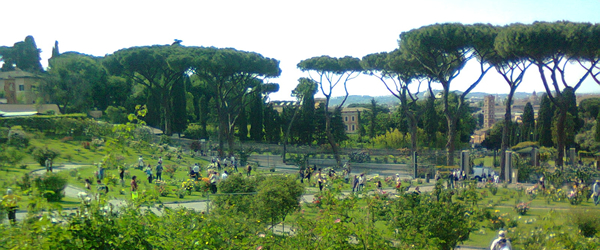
(596,192)
(354,183)
(122,175)
(159,170)
(100,171)
(196,170)
(501,243)
(148,171)
(308,174)
(213,181)
(361,182)
(141,163)
(48,165)
(248,170)
(301,175)
(320,179)
(10,203)
(134,187)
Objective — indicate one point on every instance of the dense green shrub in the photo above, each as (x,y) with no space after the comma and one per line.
(11,156)
(18,139)
(588,221)
(165,139)
(116,115)
(41,154)
(359,157)
(194,131)
(51,182)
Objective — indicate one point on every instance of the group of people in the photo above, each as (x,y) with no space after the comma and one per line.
(358,183)
(224,163)
(148,169)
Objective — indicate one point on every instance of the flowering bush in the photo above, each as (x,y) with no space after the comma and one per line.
(188,186)
(317,201)
(170,170)
(493,188)
(575,197)
(498,221)
(522,208)
(162,188)
(203,185)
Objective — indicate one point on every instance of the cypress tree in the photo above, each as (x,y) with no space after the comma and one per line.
(372,118)
(55,51)
(272,125)
(179,110)
(544,129)
(430,120)
(528,122)
(576,123)
(256,117)
(307,118)
(242,125)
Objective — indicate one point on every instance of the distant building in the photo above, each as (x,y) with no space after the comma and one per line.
(489,111)
(19,86)
(28,109)
(279,105)
(351,116)
(319,101)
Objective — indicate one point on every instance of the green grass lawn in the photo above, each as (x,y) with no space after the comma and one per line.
(73,152)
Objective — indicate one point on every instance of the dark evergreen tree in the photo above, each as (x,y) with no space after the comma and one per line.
(528,126)
(373,118)
(204,111)
(544,128)
(242,126)
(179,103)
(256,117)
(338,128)
(24,55)
(307,120)
(28,55)
(55,51)
(577,123)
(272,125)
(430,120)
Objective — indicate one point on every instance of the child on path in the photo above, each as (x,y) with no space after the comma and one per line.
(134,187)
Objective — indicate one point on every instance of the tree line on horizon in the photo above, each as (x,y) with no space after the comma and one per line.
(228,89)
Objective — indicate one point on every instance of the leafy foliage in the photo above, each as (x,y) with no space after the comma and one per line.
(41,154)
(50,186)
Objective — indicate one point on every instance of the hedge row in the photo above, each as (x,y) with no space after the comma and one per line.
(70,124)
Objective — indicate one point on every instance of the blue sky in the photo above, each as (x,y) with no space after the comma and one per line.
(289,31)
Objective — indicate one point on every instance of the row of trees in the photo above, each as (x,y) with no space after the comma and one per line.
(181,84)
(438,53)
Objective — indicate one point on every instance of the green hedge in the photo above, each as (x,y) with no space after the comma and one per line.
(57,124)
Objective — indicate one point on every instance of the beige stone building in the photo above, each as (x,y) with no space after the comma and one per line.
(351,116)
(19,86)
